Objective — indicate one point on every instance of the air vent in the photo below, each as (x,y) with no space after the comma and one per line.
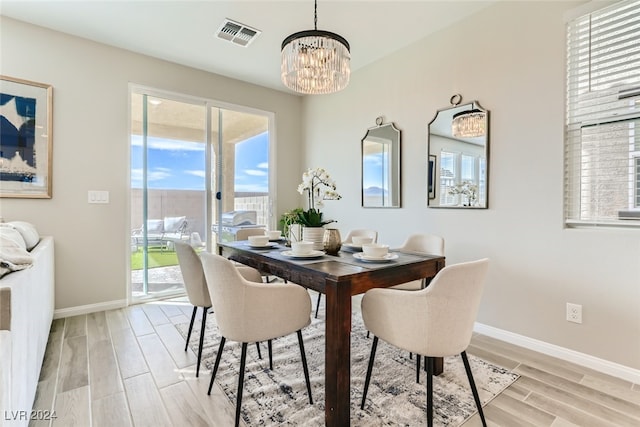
(237,33)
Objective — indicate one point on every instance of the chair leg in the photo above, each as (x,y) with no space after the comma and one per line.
(429,391)
(369,368)
(418,368)
(243,360)
(270,355)
(215,366)
(304,365)
(193,317)
(472,383)
(259,352)
(202,328)
(318,303)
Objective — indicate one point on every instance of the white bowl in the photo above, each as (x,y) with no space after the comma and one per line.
(258,240)
(375,250)
(301,248)
(359,240)
(273,234)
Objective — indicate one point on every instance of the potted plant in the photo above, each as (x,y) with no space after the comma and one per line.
(318,186)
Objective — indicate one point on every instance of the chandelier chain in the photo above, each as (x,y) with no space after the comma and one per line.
(315,14)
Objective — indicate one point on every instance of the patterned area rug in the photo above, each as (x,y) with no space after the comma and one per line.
(279,397)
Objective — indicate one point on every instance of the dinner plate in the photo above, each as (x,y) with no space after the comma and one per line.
(312,254)
(366,258)
(267,246)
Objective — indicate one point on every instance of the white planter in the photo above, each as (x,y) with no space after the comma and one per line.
(315,235)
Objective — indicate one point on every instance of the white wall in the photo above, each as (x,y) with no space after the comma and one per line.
(511,59)
(90,148)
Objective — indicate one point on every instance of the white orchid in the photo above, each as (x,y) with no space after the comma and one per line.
(466,188)
(320,187)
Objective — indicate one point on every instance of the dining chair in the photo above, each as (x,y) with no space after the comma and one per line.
(244,233)
(349,239)
(248,312)
(424,244)
(436,321)
(197,291)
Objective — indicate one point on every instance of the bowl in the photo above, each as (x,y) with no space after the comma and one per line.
(375,250)
(359,240)
(301,248)
(274,234)
(258,240)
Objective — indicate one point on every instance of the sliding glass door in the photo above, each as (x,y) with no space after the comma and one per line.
(191,161)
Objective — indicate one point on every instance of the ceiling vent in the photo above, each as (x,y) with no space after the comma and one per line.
(237,33)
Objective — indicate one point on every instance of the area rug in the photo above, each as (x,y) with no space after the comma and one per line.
(279,397)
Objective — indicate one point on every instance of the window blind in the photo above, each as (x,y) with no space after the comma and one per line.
(602,135)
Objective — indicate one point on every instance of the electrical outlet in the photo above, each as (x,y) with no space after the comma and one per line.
(574,313)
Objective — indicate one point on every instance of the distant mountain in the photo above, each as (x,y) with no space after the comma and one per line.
(374,191)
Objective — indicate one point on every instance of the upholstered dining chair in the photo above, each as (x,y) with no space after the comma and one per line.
(436,321)
(349,239)
(249,312)
(197,290)
(424,244)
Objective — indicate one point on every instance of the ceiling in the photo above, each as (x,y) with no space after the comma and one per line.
(184,31)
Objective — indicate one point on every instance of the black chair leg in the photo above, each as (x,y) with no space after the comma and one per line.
(243,360)
(215,366)
(259,352)
(318,303)
(204,324)
(472,383)
(304,365)
(429,391)
(270,355)
(369,368)
(418,368)
(193,317)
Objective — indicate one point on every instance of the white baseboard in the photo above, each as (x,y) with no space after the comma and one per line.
(89,308)
(600,365)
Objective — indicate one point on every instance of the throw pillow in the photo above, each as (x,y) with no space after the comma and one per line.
(172,224)
(11,238)
(28,231)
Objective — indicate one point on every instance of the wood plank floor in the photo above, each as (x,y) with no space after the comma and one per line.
(128,367)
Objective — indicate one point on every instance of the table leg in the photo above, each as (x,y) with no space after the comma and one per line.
(337,354)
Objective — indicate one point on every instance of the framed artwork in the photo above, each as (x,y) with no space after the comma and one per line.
(25,138)
(432,177)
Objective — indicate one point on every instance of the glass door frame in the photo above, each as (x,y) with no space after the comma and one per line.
(210,145)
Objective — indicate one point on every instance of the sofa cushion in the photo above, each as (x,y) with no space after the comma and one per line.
(173,224)
(11,238)
(27,231)
(155,226)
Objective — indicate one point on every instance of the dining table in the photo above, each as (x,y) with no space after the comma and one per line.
(339,277)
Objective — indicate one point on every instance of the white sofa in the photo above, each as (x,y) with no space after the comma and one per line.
(26,313)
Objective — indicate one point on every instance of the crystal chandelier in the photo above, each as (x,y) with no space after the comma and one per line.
(315,62)
(468,124)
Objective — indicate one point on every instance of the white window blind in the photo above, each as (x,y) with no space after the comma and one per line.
(602,139)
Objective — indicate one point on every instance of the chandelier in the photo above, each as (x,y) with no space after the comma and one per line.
(315,62)
(468,124)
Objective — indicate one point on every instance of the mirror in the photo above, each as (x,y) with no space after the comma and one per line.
(458,156)
(381,166)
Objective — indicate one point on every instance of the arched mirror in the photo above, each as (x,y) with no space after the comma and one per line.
(458,163)
(381,166)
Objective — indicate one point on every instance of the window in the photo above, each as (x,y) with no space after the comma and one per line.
(602,139)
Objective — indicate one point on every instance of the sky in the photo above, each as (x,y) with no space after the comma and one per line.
(180,165)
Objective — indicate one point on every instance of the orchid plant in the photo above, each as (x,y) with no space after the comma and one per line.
(319,187)
(466,188)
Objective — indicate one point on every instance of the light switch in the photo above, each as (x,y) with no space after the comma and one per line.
(96,196)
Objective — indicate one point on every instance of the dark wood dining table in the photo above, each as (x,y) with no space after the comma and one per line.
(339,277)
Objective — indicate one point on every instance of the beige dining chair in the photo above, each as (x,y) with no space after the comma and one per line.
(424,244)
(349,239)
(248,312)
(197,291)
(244,233)
(436,321)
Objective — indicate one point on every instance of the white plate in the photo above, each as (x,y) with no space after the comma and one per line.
(312,254)
(267,246)
(362,257)
(352,247)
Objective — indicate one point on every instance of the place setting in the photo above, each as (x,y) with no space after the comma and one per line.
(302,250)
(261,242)
(375,252)
(356,243)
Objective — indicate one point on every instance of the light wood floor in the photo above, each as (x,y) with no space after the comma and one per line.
(128,367)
